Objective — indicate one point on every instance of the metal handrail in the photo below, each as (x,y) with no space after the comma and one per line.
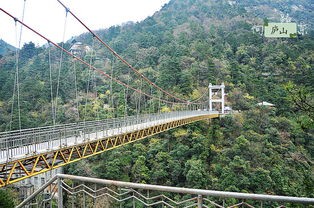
(60,126)
(199,192)
(224,194)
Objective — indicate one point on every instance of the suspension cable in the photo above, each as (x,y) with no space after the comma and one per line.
(88,85)
(126,95)
(96,95)
(94,57)
(125,103)
(117,55)
(12,106)
(60,63)
(152,101)
(16,78)
(111,89)
(17,68)
(140,97)
(51,92)
(84,62)
(159,102)
(87,91)
(76,91)
(51,85)
(203,95)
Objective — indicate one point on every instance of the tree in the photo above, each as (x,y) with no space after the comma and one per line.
(170,73)
(140,171)
(28,51)
(196,174)
(6,199)
(301,98)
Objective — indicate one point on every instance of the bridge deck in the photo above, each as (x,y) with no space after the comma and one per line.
(32,151)
(19,144)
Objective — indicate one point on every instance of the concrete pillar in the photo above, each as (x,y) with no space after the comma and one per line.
(199,201)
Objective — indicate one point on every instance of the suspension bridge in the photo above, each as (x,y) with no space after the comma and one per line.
(28,152)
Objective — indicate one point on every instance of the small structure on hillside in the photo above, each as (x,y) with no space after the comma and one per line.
(258,29)
(80,49)
(264,103)
(228,110)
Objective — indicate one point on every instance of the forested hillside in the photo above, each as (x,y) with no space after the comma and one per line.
(5,48)
(183,48)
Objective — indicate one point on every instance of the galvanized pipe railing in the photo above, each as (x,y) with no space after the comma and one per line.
(202,192)
(201,195)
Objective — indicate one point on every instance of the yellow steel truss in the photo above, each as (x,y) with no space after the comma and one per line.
(17,170)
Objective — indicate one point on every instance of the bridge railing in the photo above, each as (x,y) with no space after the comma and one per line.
(29,141)
(76,191)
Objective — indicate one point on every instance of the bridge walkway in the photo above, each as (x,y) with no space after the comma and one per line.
(33,151)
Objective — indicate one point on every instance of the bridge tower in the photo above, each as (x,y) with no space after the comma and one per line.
(217,95)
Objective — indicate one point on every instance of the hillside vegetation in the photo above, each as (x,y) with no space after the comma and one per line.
(5,48)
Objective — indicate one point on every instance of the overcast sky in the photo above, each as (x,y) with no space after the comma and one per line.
(48,17)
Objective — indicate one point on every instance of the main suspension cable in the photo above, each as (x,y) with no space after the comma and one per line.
(84,62)
(118,56)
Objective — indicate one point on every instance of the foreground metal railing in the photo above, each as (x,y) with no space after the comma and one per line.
(76,191)
(34,140)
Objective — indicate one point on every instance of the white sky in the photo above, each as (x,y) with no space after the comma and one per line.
(48,17)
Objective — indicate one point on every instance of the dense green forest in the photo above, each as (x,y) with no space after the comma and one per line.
(183,47)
